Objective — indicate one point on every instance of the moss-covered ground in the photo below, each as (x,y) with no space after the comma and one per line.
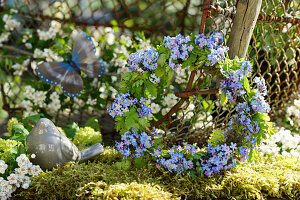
(267,178)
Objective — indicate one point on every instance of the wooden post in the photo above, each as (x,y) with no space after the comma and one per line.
(243,24)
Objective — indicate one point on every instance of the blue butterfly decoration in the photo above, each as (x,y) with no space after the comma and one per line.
(68,74)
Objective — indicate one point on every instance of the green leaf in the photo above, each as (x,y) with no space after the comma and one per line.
(223,99)
(123,165)
(189,61)
(152,88)
(114,22)
(131,118)
(261,117)
(120,121)
(139,163)
(71,129)
(19,133)
(126,76)
(246,84)
(129,23)
(192,174)
(205,104)
(14,150)
(93,123)
(143,122)
(30,121)
(169,77)
(140,35)
(162,59)
(216,135)
(2,76)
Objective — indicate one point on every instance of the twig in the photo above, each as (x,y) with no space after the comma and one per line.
(186,94)
(111,74)
(177,106)
(206,10)
(19,51)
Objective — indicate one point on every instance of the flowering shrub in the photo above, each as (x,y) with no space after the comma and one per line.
(86,137)
(19,178)
(51,44)
(9,149)
(289,117)
(246,128)
(283,142)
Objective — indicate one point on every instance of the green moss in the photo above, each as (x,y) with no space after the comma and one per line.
(86,137)
(101,190)
(269,177)
(109,156)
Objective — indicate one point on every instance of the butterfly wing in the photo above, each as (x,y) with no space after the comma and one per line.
(61,73)
(72,84)
(83,55)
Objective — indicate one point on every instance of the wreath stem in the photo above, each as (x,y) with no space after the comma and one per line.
(186,94)
(177,106)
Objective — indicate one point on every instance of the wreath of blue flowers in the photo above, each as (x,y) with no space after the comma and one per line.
(152,70)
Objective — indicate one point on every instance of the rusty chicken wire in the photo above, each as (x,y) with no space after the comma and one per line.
(274,51)
(274,48)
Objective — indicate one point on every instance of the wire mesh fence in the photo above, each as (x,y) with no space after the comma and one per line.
(273,49)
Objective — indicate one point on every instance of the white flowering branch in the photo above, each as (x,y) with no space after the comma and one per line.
(19,51)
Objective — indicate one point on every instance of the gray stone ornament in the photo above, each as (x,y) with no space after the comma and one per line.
(51,147)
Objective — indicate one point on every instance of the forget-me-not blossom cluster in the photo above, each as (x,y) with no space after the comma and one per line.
(123,102)
(144,61)
(217,53)
(179,48)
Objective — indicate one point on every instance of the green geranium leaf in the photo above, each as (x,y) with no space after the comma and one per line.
(93,123)
(139,163)
(31,120)
(19,133)
(71,129)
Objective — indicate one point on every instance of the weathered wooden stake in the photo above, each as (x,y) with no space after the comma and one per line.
(243,24)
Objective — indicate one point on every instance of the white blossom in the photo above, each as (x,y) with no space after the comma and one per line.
(126,39)
(91,101)
(155,108)
(10,23)
(4,37)
(19,178)
(28,45)
(283,142)
(20,68)
(3,167)
(110,38)
(170,100)
(51,32)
